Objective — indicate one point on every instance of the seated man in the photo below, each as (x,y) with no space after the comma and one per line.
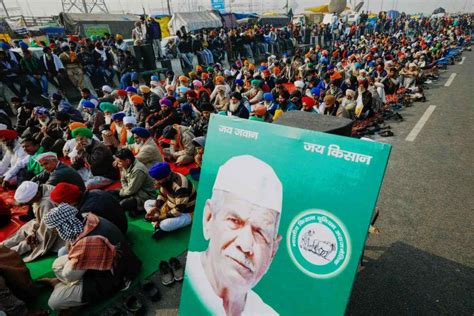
(16,285)
(55,172)
(96,157)
(99,262)
(181,150)
(101,203)
(45,129)
(11,149)
(34,238)
(137,186)
(27,167)
(174,206)
(145,148)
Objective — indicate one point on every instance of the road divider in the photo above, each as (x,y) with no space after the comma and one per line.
(450,79)
(419,125)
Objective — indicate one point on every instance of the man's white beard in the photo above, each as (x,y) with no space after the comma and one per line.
(233,106)
(108,119)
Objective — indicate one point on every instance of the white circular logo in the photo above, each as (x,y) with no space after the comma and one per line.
(318,244)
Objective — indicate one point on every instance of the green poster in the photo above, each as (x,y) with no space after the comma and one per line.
(281,220)
(96,29)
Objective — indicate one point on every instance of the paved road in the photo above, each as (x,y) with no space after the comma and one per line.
(422,262)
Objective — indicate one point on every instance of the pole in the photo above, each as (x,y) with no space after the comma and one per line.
(381,6)
(84,4)
(5,9)
(169,7)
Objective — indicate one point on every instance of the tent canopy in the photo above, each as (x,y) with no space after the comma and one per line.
(193,21)
(229,20)
(393,14)
(439,10)
(321,9)
(78,23)
(276,21)
(52,30)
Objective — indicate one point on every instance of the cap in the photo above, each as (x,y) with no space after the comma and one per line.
(251,179)
(47,155)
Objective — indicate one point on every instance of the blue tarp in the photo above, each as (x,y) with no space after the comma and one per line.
(372,21)
(52,30)
(393,14)
(240,16)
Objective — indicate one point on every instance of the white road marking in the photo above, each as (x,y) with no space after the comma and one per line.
(416,130)
(450,79)
(462,60)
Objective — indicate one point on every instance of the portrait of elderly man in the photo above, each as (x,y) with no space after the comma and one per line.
(240,222)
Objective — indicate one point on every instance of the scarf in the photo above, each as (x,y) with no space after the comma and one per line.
(103,54)
(92,252)
(64,219)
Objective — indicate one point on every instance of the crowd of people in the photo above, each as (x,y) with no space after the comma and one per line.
(63,159)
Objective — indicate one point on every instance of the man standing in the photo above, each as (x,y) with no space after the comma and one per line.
(54,68)
(55,172)
(153,35)
(137,186)
(241,222)
(34,238)
(174,206)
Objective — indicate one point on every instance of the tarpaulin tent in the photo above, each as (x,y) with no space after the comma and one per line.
(79,23)
(52,30)
(193,21)
(240,16)
(276,21)
(439,10)
(229,20)
(393,14)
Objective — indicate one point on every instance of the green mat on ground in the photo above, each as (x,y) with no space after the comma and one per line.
(150,251)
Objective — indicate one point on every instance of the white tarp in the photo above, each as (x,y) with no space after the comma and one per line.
(193,21)
(17,25)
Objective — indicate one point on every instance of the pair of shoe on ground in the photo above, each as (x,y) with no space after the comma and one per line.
(171,271)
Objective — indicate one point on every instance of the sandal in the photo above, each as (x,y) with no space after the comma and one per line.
(386,134)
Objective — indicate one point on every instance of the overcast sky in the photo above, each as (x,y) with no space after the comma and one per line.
(51,7)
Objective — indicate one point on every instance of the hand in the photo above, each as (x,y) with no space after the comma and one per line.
(79,146)
(151,214)
(31,240)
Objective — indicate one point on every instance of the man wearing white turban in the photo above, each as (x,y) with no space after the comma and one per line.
(241,222)
(34,238)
